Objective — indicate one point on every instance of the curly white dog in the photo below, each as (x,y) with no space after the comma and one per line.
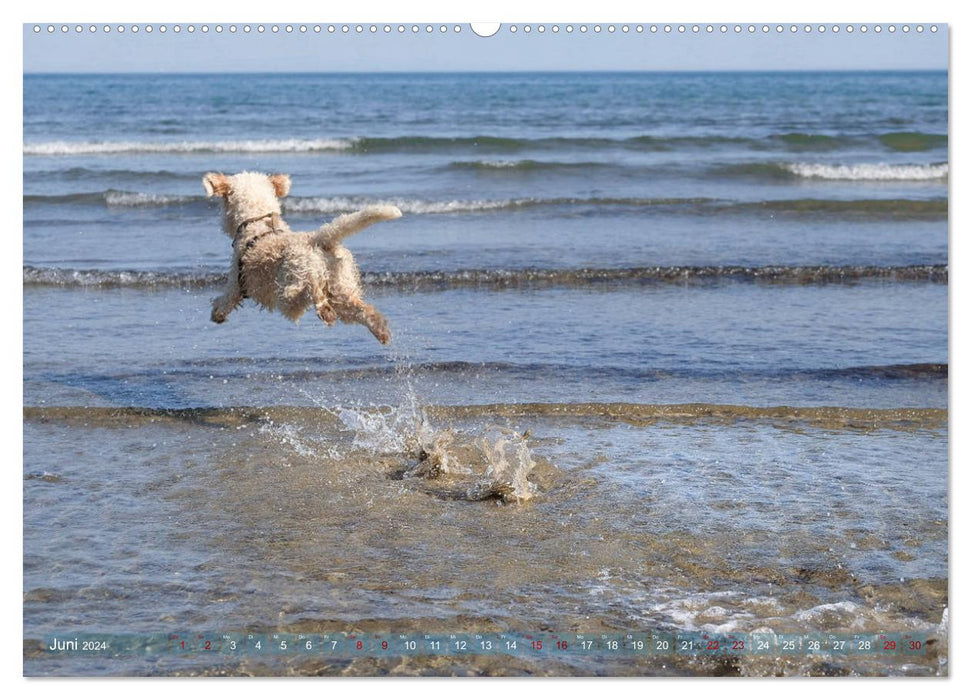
(286,270)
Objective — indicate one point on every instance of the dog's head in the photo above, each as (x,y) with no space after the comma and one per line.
(246,195)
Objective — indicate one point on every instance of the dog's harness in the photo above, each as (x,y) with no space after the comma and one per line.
(251,241)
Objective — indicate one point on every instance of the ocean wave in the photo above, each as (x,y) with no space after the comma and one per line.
(395,144)
(904,141)
(867,208)
(504,144)
(828,171)
(308,369)
(920,370)
(800,140)
(117,198)
(71,198)
(81,173)
(654,275)
(336,205)
(827,417)
(868,171)
(114,198)
(332,205)
(923,172)
(510,279)
(526,165)
(73,148)
(796,141)
(872,208)
(109,279)
(913,141)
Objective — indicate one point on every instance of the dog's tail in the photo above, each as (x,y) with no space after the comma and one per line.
(346,225)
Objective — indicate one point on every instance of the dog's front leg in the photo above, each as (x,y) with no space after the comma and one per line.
(223,305)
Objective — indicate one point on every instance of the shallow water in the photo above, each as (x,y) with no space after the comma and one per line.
(873,344)
(301,521)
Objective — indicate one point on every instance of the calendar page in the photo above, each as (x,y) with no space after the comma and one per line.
(514,349)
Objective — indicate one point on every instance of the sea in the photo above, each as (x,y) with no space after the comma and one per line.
(669,361)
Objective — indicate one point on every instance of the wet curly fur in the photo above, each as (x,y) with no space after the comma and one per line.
(287,270)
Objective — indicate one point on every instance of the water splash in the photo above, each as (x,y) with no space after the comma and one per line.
(510,462)
(476,463)
(291,436)
(496,459)
(473,464)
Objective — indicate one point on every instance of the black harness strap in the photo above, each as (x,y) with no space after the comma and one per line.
(250,242)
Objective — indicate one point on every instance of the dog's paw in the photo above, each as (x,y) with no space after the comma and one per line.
(327,314)
(217,316)
(383,335)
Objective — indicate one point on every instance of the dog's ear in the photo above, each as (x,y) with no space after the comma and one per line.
(281,184)
(216,184)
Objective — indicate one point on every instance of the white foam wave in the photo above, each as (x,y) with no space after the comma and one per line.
(71,148)
(142,199)
(326,205)
(868,171)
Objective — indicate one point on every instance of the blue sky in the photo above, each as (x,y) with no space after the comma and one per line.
(506,51)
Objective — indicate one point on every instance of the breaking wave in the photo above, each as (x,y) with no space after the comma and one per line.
(115,198)
(328,205)
(868,171)
(894,141)
(511,279)
(927,172)
(74,148)
(107,279)
(873,208)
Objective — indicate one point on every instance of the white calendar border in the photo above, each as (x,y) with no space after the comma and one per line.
(830,11)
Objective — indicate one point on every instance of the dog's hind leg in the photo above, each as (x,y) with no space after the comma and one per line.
(325,312)
(355,310)
(329,235)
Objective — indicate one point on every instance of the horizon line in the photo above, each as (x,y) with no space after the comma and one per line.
(504,72)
